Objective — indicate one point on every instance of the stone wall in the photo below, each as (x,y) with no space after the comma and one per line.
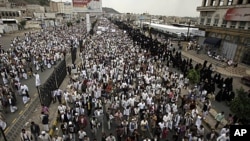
(8,28)
(33,24)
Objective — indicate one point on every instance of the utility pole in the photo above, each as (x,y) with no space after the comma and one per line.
(189,22)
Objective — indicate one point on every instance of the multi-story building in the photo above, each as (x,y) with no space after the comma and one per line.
(227,26)
(65,8)
(61,7)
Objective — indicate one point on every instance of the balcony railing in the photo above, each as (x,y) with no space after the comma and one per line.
(225,29)
(213,8)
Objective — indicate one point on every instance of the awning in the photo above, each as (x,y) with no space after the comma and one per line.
(212,41)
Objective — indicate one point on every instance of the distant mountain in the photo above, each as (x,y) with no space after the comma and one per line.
(110,10)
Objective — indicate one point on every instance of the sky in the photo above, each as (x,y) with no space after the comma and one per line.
(154,7)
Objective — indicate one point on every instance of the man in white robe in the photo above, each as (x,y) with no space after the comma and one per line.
(37,81)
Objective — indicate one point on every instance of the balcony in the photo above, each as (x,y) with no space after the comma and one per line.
(207,8)
(224,30)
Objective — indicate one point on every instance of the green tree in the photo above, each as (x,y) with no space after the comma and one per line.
(193,76)
(241,104)
(22,24)
(44,2)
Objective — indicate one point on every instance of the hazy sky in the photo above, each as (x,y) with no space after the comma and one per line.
(154,7)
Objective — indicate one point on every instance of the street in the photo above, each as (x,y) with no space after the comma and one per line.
(12,118)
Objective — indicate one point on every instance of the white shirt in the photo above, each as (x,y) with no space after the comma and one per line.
(37,78)
(222,137)
(141,105)
(24,88)
(81,134)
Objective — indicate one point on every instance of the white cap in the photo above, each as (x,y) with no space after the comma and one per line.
(43,132)
(70,123)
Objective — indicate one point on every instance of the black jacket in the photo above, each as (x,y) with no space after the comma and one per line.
(35,129)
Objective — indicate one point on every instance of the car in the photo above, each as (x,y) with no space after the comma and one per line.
(245,80)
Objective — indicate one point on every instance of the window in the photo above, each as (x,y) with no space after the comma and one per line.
(205,3)
(242,25)
(233,24)
(221,2)
(216,21)
(240,2)
(212,2)
(208,21)
(224,23)
(229,2)
(202,21)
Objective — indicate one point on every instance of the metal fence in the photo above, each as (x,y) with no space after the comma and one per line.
(73,54)
(52,83)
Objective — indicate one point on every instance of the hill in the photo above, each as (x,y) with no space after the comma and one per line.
(110,10)
(40,2)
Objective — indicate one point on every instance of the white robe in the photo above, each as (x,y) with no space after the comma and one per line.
(37,79)
(198,121)
(25,99)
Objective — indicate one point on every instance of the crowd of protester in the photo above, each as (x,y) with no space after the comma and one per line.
(135,84)
(128,82)
(27,55)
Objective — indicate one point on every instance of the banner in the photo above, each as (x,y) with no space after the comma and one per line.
(87,5)
(238,14)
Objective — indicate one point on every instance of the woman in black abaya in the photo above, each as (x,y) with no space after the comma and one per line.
(218,97)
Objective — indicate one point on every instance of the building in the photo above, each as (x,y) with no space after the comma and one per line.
(61,7)
(65,8)
(227,26)
(33,8)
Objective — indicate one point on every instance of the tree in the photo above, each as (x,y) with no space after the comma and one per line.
(240,106)
(22,24)
(193,76)
(44,2)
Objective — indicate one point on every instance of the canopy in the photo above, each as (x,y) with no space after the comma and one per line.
(212,41)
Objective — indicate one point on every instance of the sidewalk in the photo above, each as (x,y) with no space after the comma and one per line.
(210,121)
(220,67)
(229,71)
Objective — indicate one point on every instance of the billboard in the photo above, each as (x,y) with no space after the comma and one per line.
(87,5)
(238,14)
